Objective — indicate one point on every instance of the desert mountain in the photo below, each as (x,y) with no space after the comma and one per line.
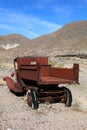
(12,46)
(12,41)
(69,40)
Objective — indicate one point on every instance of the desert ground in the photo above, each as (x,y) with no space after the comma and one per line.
(16,115)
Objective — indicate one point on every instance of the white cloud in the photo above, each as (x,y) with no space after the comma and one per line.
(27,25)
(55,6)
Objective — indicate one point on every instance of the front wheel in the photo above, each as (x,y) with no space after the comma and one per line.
(32,99)
(68,97)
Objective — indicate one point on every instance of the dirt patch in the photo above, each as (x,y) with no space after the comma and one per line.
(16,115)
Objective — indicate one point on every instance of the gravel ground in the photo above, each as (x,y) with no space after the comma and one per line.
(16,115)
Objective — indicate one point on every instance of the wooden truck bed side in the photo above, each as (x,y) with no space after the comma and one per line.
(27,67)
(45,74)
(59,75)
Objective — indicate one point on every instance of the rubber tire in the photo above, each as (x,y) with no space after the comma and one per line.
(69,97)
(34,101)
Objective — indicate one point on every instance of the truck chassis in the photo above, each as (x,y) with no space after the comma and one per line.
(40,81)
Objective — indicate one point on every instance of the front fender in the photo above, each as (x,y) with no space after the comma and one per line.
(12,85)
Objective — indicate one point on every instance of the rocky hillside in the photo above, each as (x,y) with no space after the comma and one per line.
(12,41)
(71,40)
(12,46)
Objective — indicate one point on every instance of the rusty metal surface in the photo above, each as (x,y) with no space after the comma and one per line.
(37,69)
(55,80)
(44,73)
(31,61)
(35,74)
(15,87)
(71,74)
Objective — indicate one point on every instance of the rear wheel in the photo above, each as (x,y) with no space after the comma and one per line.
(68,97)
(32,99)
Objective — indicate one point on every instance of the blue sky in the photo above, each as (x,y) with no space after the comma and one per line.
(33,18)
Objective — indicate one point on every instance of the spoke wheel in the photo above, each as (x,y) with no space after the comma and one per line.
(32,99)
(68,97)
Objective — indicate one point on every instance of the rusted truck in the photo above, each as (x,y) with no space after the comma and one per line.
(40,81)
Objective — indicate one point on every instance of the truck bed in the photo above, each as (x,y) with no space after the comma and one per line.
(45,74)
(55,80)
